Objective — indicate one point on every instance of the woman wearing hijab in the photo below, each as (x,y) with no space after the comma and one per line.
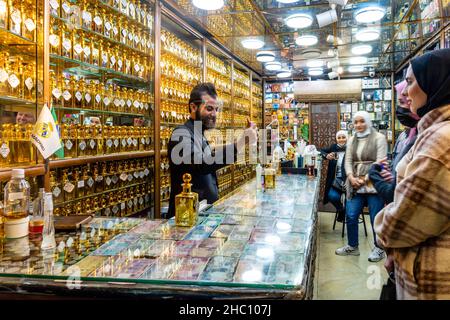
(363,149)
(334,186)
(416,226)
(383,180)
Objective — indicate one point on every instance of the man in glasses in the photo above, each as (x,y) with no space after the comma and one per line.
(190,152)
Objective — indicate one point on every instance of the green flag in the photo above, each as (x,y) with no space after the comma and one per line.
(60,152)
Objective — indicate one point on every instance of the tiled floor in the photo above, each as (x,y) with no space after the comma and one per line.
(350,277)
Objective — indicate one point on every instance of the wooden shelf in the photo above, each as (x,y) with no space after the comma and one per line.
(63,163)
(30,171)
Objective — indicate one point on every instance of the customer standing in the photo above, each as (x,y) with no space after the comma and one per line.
(383,178)
(363,149)
(416,226)
(334,185)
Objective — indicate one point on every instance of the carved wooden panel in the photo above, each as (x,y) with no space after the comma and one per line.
(324,125)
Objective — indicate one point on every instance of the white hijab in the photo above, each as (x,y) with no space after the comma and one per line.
(341,133)
(365,115)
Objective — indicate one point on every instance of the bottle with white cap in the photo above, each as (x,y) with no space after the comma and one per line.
(17,196)
(48,234)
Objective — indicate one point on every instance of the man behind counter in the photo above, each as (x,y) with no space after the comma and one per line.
(189,151)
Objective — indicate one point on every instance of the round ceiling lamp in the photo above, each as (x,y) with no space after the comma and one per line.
(208,4)
(356,69)
(358,60)
(367,35)
(311,53)
(315,71)
(273,66)
(361,49)
(307,40)
(284,74)
(314,63)
(299,21)
(265,56)
(252,43)
(370,14)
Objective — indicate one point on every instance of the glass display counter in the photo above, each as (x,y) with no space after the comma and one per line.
(248,245)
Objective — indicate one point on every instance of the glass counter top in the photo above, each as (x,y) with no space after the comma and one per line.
(251,239)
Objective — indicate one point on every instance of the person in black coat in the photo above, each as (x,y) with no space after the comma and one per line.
(189,151)
(334,185)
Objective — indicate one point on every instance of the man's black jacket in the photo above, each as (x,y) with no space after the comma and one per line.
(189,152)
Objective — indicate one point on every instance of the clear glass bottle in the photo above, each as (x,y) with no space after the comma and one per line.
(37,220)
(68,186)
(5,145)
(48,234)
(186,205)
(4,14)
(16,196)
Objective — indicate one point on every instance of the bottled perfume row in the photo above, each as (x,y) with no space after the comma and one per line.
(15,145)
(172,45)
(17,77)
(165,134)
(225,180)
(177,69)
(175,90)
(174,113)
(92,140)
(19,17)
(165,179)
(70,92)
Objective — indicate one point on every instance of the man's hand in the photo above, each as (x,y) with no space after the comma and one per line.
(387,175)
(330,156)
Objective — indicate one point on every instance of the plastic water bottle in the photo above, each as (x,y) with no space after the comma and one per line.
(48,235)
(258,177)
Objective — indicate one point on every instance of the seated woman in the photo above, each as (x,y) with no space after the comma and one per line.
(334,186)
(363,149)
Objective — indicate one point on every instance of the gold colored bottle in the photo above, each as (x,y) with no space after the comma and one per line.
(107,140)
(88,101)
(56,89)
(29,20)
(95,53)
(98,178)
(14,78)
(55,188)
(87,48)
(78,93)
(23,148)
(186,204)
(68,87)
(4,72)
(54,38)
(5,148)
(29,76)
(15,17)
(78,45)
(86,15)
(82,183)
(90,182)
(81,142)
(98,97)
(65,9)
(98,136)
(97,20)
(91,149)
(104,54)
(66,42)
(4,10)
(68,186)
(69,139)
(124,31)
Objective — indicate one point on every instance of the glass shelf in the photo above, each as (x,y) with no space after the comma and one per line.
(191,84)
(12,39)
(57,107)
(167,52)
(106,6)
(13,101)
(81,68)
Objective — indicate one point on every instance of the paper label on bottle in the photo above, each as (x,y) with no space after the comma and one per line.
(135,201)
(87,51)
(108,25)
(141,174)
(116,102)
(147,198)
(129,141)
(3,7)
(66,95)
(95,53)
(120,63)
(56,93)
(115,209)
(108,181)
(137,67)
(4,150)
(56,192)
(107,211)
(109,143)
(69,145)
(130,204)
(16,196)
(143,43)
(29,83)
(87,17)
(98,21)
(78,48)
(66,7)
(81,184)
(135,142)
(124,176)
(67,44)
(82,145)
(54,4)
(130,177)
(114,179)
(136,39)
(87,97)
(104,59)
(163,114)
(146,171)
(146,106)
(13,81)
(16,16)
(92,143)
(99,179)
(141,201)
(113,60)
(124,33)
(122,102)
(130,36)
(30,25)
(129,103)
(122,206)
(3,75)
(142,140)
(124,142)
(149,44)
(115,31)
(116,142)
(106,101)
(136,174)
(147,140)
(98,98)
(68,187)
(90,182)
(78,95)
(136,104)
(132,8)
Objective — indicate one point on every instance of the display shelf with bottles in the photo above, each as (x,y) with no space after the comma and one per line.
(257,103)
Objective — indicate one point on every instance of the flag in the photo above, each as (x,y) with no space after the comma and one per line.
(60,152)
(45,134)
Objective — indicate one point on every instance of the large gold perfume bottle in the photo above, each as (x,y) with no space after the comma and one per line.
(68,186)
(186,205)
(15,78)
(82,144)
(68,88)
(29,76)
(69,139)
(23,148)
(55,188)
(80,182)
(29,20)
(5,148)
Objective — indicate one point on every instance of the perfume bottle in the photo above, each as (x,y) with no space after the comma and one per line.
(66,9)
(86,15)
(54,38)
(79,182)
(15,17)
(68,186)
(67,95)
(82,144)
(48,234)
(90,182)
(55,188)
(95,53)
(4,14)
(29,20)
(98,178)
(78,92)
(16,196)
(69,139)
(23,148)
(91,140)
(97,20)
(15,77)
(5,148)
(78,45)
(98,97)
(84,177)
(186,205)
(66,42)
(98,137)
(107,140)
(88,94)
(29,76)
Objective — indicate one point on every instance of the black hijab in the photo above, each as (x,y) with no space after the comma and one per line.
(432,71)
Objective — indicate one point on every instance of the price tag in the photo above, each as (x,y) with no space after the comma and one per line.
(87,17)
(4,150)
(54,40)
(116,143)
(67,44)
(116,102)
(123,176)
(137,67)
(136,104)
(122,102)
(108,25)
(130,36)
(78,95)
(66,95)
(115,179)
(29,83)
(115,209)
(109,143)
(146,171)
(69,145)
(87,97)
(13,81)
(3,75)
(81,184)
(98,21)
(92,143)
(66,7)
(54,4)
(99,179)
(90,182)
(82,145)
(68,187)
(129,141)
(30,25)
(124,33)
(115,31)
(78,48)
(87,51)
(56,192)
(108,181)
(106,101)
(124,143)
(122,206)
(129,103)
(113,60)
(98,98)
(130,204)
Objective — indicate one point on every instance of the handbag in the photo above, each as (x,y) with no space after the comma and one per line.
(339,184)
(388,292)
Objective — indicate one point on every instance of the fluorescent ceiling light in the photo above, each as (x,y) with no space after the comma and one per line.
(273,66)
(311,53)
(333,75)
(252,43)
(284,74)
(367,35)
(287,1)
(358,60)
(315,72)
(362,49)
(356,69)
(314,63)
(299,21)
(307,40)
(370,14)
(208,4)
(265,56)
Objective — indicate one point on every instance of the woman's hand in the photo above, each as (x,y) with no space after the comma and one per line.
(356,182)
(389,263)
(330,156)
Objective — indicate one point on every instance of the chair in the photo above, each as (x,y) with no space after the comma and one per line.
(361,217)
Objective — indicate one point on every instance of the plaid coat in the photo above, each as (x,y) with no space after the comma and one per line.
(416,226)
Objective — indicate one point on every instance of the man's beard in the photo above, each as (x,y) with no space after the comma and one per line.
(207,122)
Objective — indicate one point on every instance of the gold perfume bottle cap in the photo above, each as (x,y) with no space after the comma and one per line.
(187,185)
